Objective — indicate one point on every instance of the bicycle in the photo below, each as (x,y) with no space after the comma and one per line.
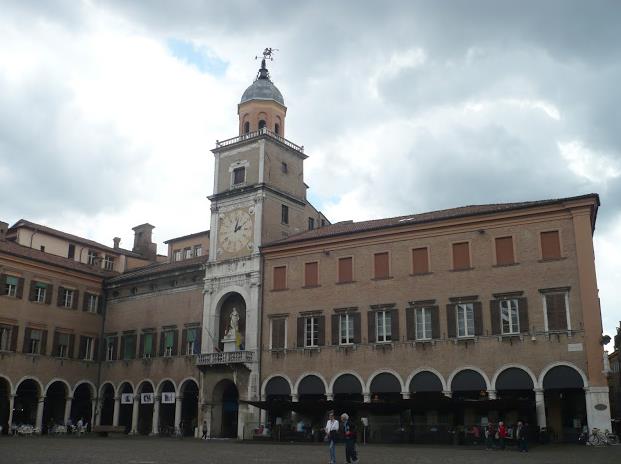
(597,438)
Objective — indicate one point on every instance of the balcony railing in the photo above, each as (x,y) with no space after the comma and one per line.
(225,357)
(259,133)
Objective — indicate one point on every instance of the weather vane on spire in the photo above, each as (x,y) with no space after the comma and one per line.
(268,54)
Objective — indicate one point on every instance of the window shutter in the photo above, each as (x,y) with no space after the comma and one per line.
(14,333)
(504,251)
(345,270)
(357,328)
(43,342)
(300,332)
(394,322)
(371,324)
(96,349)
(461,256)
(477,307)
(100,303)
(335,329)
(48,294)
(141,346)
(184,341)
(410,328)
(59,297)
(115,346)
(557,318)
(280,278)
(2,284)
(85,301)
(420,261)
(74,303)
(134,341)
(523,314)
(31,296)
(20,288)
(321,325)
(55,347)
(162,337)
(199,333)
(82,348)
(122,346)
(435,321)
(494,313)
(550,245)
(381,265)
(311,274)
(71,345)
(451,329)
(175,348)
(25,347)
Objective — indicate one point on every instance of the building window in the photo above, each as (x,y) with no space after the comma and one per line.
(40,291)
(381,265)
(504,251)
(284,168)
(239,175)
(169,343)
(383,326)
(556,311)
(284,214)
(262,124)
(92,257)
(89,348)
(43,248)
(5,338)
(246,127)
(66,297)
(191,341)
(188,253)
(420,261)
(423,324)
(178,255)
(311,331)
(345,270)
(147,345)
(198,250)
(108,263)
(311,223)
(323,222)
(11,286)
(509,316)
(34,342)
(92,302)
(465,319)
(311,274)
(62,349)
(461,256)
(346,329)
(280,278)
(129,346)
(278,339)
(277,128)
(550,245)
(110,348)
(71,251)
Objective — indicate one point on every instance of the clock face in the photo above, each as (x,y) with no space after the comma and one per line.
(235,231)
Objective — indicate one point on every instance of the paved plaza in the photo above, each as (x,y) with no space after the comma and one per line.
(190,451)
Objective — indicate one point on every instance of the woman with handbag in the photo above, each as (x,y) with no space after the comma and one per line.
(332,428)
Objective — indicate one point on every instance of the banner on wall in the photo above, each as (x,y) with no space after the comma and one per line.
(127,398)
(146,398)
(168,397)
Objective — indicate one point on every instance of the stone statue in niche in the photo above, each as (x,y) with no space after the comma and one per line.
(233,329)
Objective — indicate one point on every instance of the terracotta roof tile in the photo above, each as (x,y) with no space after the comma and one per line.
(156,268)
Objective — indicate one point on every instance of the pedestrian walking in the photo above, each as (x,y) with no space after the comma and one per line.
(521,434)
(204,436)
(332,428)
(502,434)
(349,431)
(489,436)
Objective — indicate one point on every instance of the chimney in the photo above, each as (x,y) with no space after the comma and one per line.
(3,228)
(143,242)
(116,241)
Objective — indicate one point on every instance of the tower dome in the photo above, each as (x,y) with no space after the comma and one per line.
(263,88)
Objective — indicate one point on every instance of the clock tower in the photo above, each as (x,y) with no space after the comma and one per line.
(259,196)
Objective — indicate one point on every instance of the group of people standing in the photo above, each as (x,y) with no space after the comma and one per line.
(349,434)
(495,437)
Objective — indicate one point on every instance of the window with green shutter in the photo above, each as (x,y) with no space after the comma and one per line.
(148,345)
(169,340)
(191,341)
(11,286)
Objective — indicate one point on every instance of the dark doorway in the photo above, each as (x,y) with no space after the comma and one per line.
(230,407)
(5,392)
(107,405)
(189,408)
(125,412)
(565,403)
(347,387)
(166,426)
(54,406)
(25,407)
(81,405)
(145,411)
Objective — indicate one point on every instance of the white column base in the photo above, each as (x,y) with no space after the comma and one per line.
(598,407)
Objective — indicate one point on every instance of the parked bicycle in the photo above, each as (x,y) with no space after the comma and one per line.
(599,438)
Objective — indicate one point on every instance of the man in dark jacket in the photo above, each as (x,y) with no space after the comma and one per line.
(521,434)
(349,431)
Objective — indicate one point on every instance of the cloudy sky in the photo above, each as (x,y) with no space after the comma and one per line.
(108,110)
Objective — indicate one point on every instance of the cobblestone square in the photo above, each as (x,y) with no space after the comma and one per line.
(39,450)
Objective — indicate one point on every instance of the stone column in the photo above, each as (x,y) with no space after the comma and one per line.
(98,411)
(207,417)
(367,397)
(94,414)
(294,398)
(491,394)
(117,410)
(136,405)
(447,393)
(39,420)
(598,407)
(178,402)
(11,406)
(67,409)
(541,407)
(155,429)
(330,396)
(405,395)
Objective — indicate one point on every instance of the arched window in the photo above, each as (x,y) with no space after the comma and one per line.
(261,124)
(277,128)
(246,127)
